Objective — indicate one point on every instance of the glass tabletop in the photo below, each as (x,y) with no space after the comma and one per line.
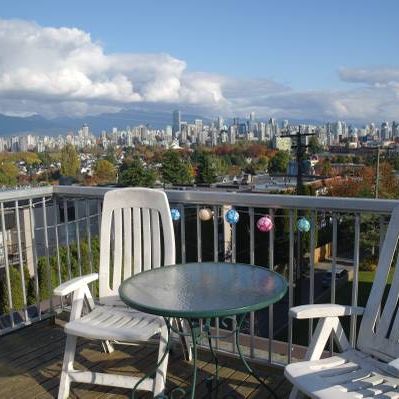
(201,290)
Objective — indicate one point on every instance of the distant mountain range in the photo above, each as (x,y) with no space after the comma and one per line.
(37,124)
(40,125)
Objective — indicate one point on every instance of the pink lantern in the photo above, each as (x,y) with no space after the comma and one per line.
(264,224)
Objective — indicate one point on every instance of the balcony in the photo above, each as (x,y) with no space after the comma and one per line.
(49,235)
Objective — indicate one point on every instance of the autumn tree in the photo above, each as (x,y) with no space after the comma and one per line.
(70,164)
(104,172)
(388,183)
(8,174)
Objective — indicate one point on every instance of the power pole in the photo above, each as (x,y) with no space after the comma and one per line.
(300,151)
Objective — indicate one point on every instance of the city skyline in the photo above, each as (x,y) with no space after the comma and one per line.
(300,61)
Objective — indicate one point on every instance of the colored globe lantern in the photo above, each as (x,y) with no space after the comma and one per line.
(205,214)
(264,224)
(303,225)
(232,216)
(175,214)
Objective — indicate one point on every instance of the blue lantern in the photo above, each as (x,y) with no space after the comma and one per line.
(232,216)
(303,225)
(175,214)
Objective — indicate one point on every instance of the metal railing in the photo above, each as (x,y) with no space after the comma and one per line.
(57,228)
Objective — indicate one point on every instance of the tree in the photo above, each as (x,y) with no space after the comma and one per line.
(206,169)
(104,171)
(314,145)
(175,169)
(8,174)
(262,163)
(111,156)
(279,163)
(388,187)
(134,173)
(70,164)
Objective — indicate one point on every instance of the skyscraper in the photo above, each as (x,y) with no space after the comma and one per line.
(252,122)
(395,129)
(176,123)
(384,135)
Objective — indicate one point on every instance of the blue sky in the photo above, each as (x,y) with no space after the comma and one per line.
(301,45)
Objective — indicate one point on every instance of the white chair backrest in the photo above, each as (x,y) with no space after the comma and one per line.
(379,336)
(136,235)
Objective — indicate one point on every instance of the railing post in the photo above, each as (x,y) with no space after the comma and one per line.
(355,282)
(34,251)
(7,266)
(46,247)
(21,262)
(290,280)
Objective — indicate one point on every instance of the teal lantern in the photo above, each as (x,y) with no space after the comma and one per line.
(232,216)
(175,214)
(303,225)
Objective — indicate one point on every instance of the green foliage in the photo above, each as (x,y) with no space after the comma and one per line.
(111,156)
(262,163)
(279,163)
(206,169)
(104,171)
(175,169)
(70,164)
(314,145)
(134,173)
(16,290)
(45,290)
(8,174)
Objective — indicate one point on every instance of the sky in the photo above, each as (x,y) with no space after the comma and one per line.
(307,59)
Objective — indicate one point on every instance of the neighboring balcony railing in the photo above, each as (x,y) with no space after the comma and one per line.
(55,231)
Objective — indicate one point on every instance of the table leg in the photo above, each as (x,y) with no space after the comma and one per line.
(195,337)
(241,319)
(215,377)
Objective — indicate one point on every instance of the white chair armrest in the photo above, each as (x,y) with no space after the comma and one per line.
(324,310)
(75,283)
(393,368)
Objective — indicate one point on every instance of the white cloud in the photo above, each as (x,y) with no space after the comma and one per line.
(372,76)
(61,65)
(63,71)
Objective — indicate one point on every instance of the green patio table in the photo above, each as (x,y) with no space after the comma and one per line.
(199,292)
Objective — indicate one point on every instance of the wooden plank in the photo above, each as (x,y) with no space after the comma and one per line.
(38,376)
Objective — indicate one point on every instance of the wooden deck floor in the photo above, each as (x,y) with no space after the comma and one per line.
(30,363)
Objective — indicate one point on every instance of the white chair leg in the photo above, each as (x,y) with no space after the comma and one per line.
(160,376)
(67,365)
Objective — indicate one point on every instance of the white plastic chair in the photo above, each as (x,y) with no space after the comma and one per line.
(134,223)
(371,369)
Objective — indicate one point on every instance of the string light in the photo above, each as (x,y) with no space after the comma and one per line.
(175,214)
(264,224)
(303,225)
(205,214)
(232,216)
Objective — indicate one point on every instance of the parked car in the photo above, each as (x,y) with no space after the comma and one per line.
(341,275)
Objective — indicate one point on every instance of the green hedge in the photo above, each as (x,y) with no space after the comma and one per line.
(16,290)
(45,291)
